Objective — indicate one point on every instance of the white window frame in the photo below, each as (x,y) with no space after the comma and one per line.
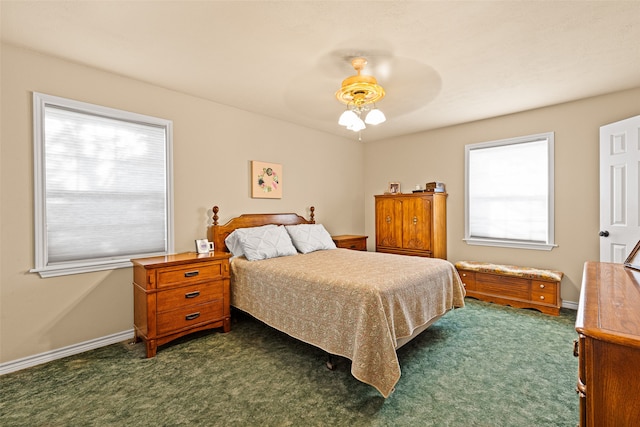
(500,242)
(42,265)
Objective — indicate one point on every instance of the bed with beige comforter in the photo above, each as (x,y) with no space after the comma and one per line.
(354,304)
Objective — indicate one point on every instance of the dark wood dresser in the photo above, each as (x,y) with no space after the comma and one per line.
(608,347)
(179,294)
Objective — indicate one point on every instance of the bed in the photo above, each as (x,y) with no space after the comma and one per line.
(354,304)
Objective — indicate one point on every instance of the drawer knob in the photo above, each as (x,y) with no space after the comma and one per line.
(192,294)
(191,273)
(415,220)
(541,286)
(192,316)
(541,296)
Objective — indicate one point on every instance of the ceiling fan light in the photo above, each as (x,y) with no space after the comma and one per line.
(360,92)
(375,117)
(347,118)
(357,125)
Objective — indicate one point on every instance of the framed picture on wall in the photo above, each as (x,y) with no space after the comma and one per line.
(266,180)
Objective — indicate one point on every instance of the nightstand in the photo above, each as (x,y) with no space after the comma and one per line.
(350,241)
(175,295)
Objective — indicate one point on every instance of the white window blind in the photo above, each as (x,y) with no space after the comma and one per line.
(103,186)
(509,192)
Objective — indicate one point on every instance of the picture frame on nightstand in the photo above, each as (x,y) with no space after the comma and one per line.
(204,246)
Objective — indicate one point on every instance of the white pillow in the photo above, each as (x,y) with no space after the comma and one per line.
(265,242)
(233,241)
(310,237)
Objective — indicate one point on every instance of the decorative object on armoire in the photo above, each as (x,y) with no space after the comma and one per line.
(393,188)
(360,93)
(412,224)
(437,187)
(266,180)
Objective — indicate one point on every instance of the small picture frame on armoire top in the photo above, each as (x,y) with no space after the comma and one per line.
(394,188)
(633,260)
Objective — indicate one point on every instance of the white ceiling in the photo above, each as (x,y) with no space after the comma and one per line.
(441,62)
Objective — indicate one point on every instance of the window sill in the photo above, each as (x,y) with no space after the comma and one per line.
(510,244)
(76,268)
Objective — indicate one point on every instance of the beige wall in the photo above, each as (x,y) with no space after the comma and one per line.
(439,156)
(213,146)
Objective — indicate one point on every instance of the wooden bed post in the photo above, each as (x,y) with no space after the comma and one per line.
(215,210)
(312,216)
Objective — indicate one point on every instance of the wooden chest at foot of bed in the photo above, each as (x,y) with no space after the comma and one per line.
(521,287)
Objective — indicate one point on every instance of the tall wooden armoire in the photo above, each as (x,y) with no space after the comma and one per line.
(412,224)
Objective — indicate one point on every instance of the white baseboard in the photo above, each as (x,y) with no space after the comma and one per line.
(570,304)
(60,353)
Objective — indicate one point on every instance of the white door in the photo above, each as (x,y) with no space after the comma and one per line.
(619,186)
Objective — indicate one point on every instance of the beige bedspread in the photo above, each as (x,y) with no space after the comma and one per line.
(349,303)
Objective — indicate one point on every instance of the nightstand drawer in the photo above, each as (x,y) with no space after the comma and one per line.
(189,274)
(171,321)
(356,244)
(189,295)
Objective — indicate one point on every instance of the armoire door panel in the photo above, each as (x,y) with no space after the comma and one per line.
(388,223)
(416,224)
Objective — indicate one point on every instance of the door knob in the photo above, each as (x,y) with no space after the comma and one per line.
(604,233)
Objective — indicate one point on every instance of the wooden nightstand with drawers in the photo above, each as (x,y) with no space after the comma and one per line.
(175,295)
(350,241)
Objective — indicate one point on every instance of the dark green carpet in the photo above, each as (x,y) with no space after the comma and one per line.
(483,365)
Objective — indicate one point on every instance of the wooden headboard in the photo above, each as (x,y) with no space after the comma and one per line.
(217,233)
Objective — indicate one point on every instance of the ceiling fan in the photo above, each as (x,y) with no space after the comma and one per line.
(408,84)
(360,92)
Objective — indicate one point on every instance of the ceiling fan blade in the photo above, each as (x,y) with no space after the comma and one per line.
(409,84)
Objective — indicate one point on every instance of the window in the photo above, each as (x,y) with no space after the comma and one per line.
(103,186)
(509,193)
